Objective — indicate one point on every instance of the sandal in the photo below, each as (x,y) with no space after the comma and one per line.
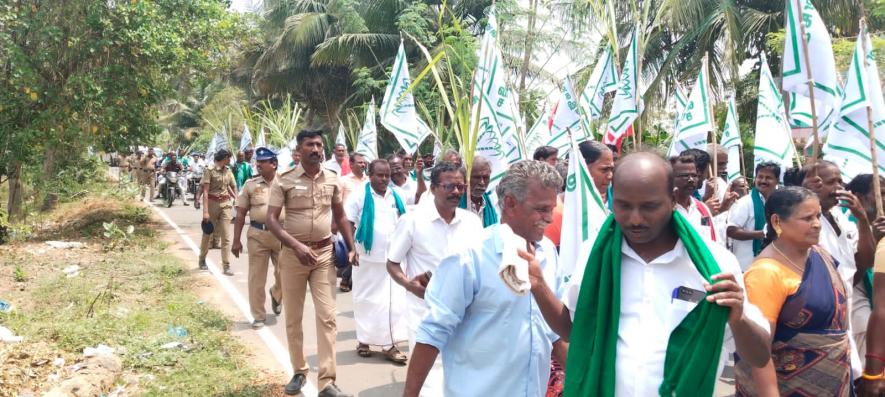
(393,354)
(344,288)
(363,350)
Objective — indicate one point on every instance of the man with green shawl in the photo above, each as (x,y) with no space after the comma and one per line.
(242,170)
(480,200)
(651,310)
(746,220)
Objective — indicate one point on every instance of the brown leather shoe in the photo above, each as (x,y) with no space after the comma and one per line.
(393,354)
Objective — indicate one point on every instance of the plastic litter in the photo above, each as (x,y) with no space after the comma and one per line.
(172,345)
(63,245)
(100,349)
(71,271)
(7,336)
(178,331)
(5,306)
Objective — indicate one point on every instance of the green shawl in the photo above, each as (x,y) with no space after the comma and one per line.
(489,215)
(693,349)
(365,231)
(758,218)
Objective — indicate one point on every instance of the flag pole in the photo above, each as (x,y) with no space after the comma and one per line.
(706,65)
(871,132)
(815,149)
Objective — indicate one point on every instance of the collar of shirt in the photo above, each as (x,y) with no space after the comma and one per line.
(431,213)
(300,171)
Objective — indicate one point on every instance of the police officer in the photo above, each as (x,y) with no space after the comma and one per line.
(311,197)
(261,243)
(148,174)
(218,190)
(135,166)
(123,165)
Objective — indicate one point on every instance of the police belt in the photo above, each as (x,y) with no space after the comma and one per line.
(223,197)
(318,244)
(259,226)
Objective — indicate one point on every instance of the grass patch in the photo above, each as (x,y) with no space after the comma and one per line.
(128,300)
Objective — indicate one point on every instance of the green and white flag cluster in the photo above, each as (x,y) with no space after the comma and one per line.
(567,120)
(496,137)
(773,139)
(820,50)
(539,133)
(695,121)
(603,79)
(583,213)
(849,144)
(626,106)
(367,143)
(218,142)
(731,142)
(399,116)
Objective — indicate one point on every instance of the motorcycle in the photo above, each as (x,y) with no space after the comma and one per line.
(171,191)
(193,181)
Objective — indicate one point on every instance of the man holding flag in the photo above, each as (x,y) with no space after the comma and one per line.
(653,304)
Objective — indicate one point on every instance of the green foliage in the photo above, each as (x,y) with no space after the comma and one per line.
(18,274)
(843,48)
(117,238)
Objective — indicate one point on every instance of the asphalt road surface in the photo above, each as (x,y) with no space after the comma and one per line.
(364,377)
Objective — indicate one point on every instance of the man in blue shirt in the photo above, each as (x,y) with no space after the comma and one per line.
(493,341)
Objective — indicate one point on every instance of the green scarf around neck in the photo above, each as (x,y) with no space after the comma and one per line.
(758,218)
(693,349)
(489,215)
(365,231)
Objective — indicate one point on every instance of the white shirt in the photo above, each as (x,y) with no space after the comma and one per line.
(649,313)
(408,191)
(422,238)
(386,216)
(741,215)
(696,218)
(333,165)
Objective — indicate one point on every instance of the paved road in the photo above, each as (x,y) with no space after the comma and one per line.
(364,377)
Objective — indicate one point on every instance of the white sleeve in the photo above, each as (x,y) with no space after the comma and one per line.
(739,214)
(401,240)
(353,207)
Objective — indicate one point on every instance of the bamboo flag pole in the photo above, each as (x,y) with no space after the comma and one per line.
(815,149)
(706,65)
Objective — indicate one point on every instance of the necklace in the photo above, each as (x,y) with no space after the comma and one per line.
(793,264)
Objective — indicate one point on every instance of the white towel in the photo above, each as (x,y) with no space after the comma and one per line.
(514,271)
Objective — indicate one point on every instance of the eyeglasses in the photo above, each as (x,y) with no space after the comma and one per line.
(450,187)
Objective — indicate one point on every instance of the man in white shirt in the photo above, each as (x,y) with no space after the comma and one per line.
(745,228)
(378,308)
(686,177)
(661,282)
(336,163)
(399,178)
(422,238)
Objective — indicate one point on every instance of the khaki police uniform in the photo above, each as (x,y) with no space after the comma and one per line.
(307,204)
(134,168)
(148,177)
(123,165)
(261,244)
(221,184)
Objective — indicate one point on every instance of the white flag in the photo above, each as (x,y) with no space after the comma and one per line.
(603,79)
(820,53)
(626,106)
(368,139)
(399,116)
(731,141)
(567,120)
(496,137)
(341,138)
(695,121)
(246,139)
(773,141)
(261,142)
(681,103)
(539,134)
(849,143)
(583,213)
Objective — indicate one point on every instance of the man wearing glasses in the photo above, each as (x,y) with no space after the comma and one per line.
(686,179)
(422,238)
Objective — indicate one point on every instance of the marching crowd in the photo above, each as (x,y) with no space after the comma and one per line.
(773,270)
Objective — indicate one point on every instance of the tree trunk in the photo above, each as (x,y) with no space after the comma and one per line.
(527,49)
(49,160)
(14,203)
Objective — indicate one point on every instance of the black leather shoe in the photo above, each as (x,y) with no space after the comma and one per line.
(333,391)
(294,386)
(202,265)
(274,305)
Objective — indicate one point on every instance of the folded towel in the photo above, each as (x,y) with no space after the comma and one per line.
(513,270)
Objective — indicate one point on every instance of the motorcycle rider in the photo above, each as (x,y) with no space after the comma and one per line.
(172,165)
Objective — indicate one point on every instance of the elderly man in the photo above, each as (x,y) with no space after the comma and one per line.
(651,312)
(338,162)
(422,238)
(686,178)
(488,334)
(480,200)
(378,308)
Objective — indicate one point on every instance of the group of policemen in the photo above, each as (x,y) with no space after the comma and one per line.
(143,167)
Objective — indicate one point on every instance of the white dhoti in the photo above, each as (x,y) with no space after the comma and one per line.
(860,317)
(379,306)
(433,384)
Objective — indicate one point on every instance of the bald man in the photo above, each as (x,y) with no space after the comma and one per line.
(662,272)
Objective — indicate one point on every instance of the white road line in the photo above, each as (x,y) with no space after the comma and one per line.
(273,344)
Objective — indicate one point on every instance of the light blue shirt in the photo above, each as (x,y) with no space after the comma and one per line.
(493,342)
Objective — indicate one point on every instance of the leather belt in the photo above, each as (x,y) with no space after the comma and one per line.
(318,244)
(223,197)
(259,226)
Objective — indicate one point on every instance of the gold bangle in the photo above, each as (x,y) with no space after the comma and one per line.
(874,377)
